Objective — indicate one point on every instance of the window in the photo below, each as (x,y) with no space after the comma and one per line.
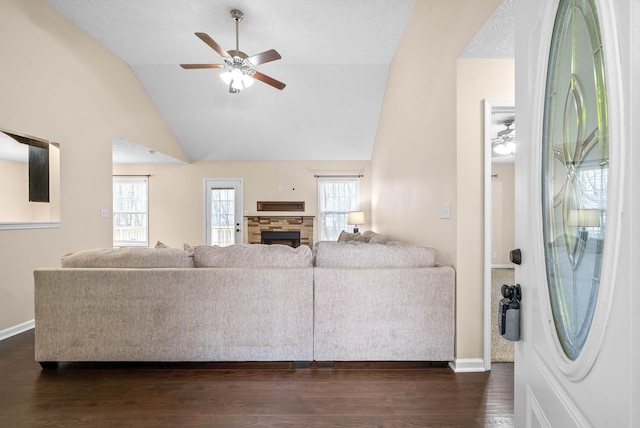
(336,197)
(593,189)
(130,211)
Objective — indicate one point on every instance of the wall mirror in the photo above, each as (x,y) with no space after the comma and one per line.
(30,182)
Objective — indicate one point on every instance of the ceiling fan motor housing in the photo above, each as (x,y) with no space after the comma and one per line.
(237,15)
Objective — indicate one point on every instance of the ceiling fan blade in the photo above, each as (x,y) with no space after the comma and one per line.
(192,66)
(212,43)
(266,56)
(268,80)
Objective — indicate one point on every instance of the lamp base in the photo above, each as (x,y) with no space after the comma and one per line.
(355,229)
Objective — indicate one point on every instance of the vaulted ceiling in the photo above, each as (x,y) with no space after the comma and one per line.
(335,60)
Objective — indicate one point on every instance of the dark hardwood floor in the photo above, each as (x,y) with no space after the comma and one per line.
(247,394)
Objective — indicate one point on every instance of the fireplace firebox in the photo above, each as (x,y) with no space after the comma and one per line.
(284,237)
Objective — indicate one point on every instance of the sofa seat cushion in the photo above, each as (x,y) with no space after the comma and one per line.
(363,255)
(253,255)
(129,258)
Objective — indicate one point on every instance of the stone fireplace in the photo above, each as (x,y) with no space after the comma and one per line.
(303,225)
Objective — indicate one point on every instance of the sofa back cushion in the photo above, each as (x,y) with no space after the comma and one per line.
(129,258)
(253,255)
(364,255)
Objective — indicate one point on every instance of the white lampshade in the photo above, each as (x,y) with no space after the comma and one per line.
(355,217)
(226,77)
(247,80)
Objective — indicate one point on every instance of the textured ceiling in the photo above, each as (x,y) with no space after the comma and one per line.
(335,61)
(496,38)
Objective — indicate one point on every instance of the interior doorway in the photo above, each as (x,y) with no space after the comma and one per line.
(499,220)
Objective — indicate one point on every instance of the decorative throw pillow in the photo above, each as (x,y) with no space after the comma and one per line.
(161,245)
(375,238)
(188,247)
(346,237)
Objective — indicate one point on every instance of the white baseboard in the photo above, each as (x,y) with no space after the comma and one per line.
(17,329)
(467,365)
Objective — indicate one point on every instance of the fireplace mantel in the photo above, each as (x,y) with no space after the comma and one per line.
(280,205)
(280,216)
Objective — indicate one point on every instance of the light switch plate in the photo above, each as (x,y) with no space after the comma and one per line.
(445,210)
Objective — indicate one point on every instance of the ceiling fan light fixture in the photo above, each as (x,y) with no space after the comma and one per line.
(247,80)
(237,84)
(237,79)
(238,67)
(505,144)
(506,148)
(226,77)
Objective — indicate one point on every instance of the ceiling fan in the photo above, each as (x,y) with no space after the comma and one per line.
(504,144)
(239,66)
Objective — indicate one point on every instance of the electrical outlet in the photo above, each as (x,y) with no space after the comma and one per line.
(104,213)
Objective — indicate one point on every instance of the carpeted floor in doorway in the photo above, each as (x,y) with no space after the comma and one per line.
(501,349)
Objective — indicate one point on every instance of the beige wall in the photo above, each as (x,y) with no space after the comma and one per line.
(478,79)
(60,85)
(414,157)
(502,213)
(176,192)
(428,149)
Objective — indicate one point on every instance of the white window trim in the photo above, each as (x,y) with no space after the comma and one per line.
(145,243)
(336,179)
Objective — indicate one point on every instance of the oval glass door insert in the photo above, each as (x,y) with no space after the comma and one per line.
(575,164)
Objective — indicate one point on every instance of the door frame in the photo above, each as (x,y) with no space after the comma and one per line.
(206,185)
(491,106)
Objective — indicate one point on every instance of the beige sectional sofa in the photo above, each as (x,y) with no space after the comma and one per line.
(385,302)
(345,301)
(165,304)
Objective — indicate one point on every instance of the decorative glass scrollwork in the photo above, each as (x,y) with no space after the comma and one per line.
(575,165)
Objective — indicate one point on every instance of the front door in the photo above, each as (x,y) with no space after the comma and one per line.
(223,212)
(573,363)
